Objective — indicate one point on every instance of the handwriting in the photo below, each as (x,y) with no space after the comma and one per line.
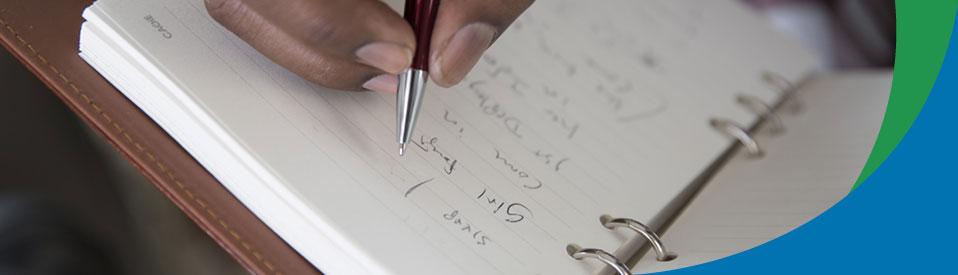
(569,127)
(430,146)
(489,59)
(614,100)
(647,105)
(601,70)
(549,159)
(479,236)
(519,172)
(516,84)
(649,60)
(453,122)
(570,68)
(492,108)
(414,187)
(515,212)
(554,95)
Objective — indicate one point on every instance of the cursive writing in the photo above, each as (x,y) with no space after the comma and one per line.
(430,146)
(518,172)
(414,187)
(454,123)
(555,96)
(477,235)
(549,159)
(569,127)
(514,212)
(493,109)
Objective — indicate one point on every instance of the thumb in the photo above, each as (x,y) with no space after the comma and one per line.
(464,29)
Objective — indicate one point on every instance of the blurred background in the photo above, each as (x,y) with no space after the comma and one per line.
(847,33)
(69,204)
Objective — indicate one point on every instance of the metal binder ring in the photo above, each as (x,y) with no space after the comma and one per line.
(786,87)
(661,253)
(734,130)
(783,84)
(579,253)
(757,106)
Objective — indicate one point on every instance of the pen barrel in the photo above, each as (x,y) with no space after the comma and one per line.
(412,84)
(421,15)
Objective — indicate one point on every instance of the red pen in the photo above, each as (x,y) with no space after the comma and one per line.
(421,15)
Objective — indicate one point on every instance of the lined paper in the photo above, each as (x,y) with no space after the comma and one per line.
(577,111)
(805,171)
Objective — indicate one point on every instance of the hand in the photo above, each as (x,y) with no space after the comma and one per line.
(363,44)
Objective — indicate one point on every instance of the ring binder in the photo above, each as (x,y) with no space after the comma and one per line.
(786,87)
(579,253)
(783,84)
(765,111)
(734,130)
(662,254)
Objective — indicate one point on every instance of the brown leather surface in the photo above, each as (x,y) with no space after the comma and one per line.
(44,35)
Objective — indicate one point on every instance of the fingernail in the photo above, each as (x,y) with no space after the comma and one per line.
(384,83)
(457,57)
(389,57)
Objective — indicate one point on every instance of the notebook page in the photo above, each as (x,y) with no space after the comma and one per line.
(805,171)
(575,112)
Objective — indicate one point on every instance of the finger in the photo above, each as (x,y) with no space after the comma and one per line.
(464,29)
(337,44)
(384,83)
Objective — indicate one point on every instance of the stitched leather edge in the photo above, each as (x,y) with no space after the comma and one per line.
(159,164)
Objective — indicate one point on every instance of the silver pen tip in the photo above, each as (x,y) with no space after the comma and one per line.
(402,148)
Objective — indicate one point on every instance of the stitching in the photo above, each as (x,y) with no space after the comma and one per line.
(249,248)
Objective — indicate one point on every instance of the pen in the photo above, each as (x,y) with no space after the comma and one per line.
(421,15)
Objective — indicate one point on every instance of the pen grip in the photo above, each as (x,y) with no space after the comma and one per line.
(421,15)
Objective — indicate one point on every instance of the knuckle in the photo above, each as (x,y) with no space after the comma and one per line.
(335,75)
(224,11)
(325,28)
(343,23)
(239,18)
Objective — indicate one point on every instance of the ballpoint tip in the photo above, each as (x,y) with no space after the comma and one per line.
(402,148)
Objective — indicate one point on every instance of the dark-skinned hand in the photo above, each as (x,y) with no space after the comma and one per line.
(363,44)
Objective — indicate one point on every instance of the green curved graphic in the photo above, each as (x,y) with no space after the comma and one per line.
(923,32)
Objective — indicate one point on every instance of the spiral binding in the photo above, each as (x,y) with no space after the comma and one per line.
(662,255)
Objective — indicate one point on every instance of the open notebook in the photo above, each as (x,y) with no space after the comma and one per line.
(578,110)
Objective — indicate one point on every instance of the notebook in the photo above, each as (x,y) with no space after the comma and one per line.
(577,111)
